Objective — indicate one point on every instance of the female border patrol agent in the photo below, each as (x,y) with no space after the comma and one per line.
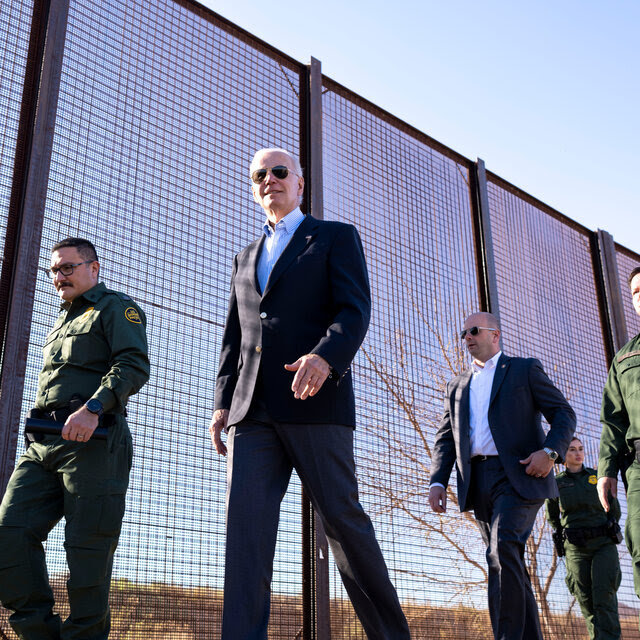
(587,536)
(95,357)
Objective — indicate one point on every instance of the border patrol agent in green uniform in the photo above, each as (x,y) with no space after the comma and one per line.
(587,536)
(620,439)
(95,357)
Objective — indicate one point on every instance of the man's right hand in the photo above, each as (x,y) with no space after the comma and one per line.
(438,499)
(606,486)
(217,425)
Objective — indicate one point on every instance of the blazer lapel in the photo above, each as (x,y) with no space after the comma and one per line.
(465,414)
(501,371)
(301,238)
(464,420)
(252,255)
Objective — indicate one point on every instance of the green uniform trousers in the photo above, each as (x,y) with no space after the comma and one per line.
(632,526)
(593,577)
(85,483)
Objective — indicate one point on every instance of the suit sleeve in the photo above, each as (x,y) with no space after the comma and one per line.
(230,351)
(615,422)
(554,407)
(351,301)
(444,447)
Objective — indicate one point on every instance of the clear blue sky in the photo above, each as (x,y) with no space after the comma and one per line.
(547,93)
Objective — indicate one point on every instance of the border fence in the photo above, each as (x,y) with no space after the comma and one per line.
(132,123)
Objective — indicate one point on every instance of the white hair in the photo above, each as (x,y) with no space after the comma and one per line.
(294,160)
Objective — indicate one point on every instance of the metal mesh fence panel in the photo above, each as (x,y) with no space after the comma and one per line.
(161,107)
(15,23)
(159,113)
(627,262)
(411,204)
(549,310)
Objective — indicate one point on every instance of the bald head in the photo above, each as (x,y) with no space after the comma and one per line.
(484,319)
(482,336)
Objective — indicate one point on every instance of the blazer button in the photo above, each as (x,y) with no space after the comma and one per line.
(263,315)
(258,349)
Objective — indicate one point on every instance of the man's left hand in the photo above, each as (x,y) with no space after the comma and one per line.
(218,424)
(311,372)
(539,464)
(80,425)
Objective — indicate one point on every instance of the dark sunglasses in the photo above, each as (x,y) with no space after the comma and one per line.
(280,172)
(474,331)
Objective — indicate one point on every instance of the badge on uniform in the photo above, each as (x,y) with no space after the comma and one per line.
(593,480)
(132,315)
(86,314)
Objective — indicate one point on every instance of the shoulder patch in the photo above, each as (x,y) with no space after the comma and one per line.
(132,315)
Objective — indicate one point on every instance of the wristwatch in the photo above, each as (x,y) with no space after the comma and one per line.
(95,406)
(553,455)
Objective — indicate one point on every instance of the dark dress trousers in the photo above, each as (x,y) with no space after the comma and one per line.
(316,300)
(505,500)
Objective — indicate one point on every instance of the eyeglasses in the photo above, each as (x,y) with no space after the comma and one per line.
(280,172)
(474,331)
(65,269)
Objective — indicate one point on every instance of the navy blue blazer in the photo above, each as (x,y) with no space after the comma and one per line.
(317,300)
(520,393)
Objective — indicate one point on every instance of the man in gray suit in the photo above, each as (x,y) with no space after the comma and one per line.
(491,430)
(298,312)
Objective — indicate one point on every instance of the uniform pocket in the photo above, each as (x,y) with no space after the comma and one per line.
(84,341)
(75,342)
(629,376)
(111,515)
(94,518)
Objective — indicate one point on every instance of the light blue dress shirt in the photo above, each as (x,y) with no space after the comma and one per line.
(276,241)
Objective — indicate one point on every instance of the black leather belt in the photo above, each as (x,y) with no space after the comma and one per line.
(483,458)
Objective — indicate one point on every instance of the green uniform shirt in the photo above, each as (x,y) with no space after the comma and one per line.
(96,349)
(620,414)
(578,506)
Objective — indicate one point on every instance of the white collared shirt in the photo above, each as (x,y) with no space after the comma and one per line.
(482,443)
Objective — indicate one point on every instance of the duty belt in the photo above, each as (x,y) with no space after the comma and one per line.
(579,536)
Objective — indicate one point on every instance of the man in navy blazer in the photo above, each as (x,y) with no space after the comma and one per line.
(491,430)
(298,311)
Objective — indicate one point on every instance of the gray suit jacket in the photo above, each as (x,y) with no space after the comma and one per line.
(521,392)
